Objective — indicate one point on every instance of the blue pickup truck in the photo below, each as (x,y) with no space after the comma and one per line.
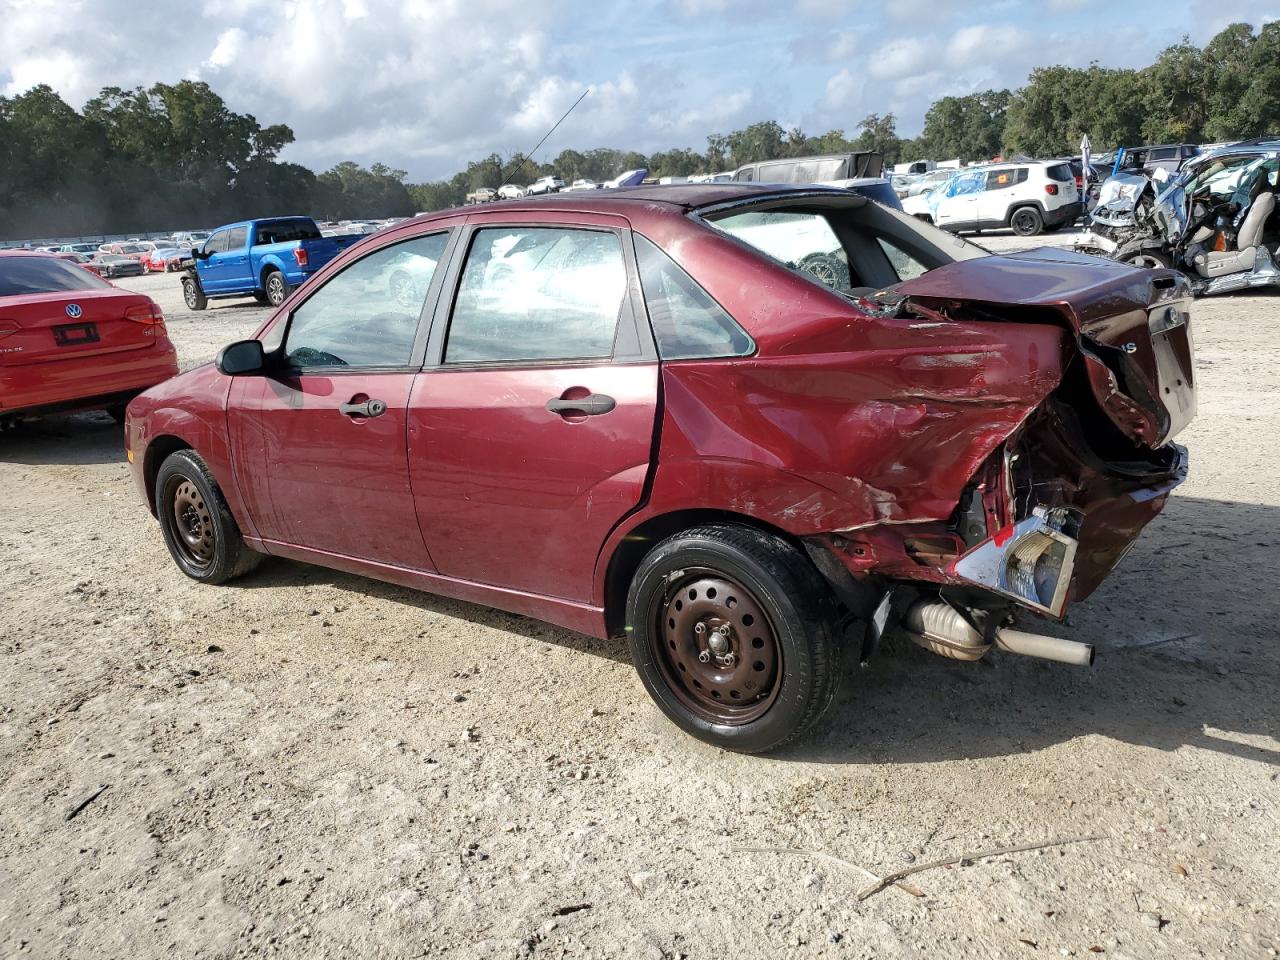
(265,259)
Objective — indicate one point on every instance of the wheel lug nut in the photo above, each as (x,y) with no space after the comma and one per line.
(699,628)
(729,659)
(704,657)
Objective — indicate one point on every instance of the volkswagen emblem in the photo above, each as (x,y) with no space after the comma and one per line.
(74,311)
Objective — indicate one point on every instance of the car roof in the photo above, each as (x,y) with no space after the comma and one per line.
(676,198)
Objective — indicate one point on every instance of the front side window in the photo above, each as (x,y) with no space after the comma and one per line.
(804,241)
(367,315)
(217,243)
(537,294)
(237,237)
(687,323)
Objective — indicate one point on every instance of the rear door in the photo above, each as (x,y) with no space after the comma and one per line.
(51,310)
(531,429)
(998,194)
(320,444)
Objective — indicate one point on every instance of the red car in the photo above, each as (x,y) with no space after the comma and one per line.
(69,340)
(739,425)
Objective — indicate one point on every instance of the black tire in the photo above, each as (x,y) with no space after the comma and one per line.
(193,295)
(797,666)
(1026,221)
(210,549)
(828,269)
(276,287)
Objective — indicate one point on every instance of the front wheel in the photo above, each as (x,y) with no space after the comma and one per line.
(198,528)
(733,634)
(192,295)
(277,288)
(1026,222)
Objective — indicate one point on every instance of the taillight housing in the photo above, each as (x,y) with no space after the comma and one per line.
(1051,189)
(300,255)
(149,314)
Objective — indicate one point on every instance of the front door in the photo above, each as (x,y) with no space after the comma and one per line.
(210,266)
(958,205)
(322,440)
(531,431)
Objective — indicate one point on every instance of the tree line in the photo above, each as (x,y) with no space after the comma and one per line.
(173,155)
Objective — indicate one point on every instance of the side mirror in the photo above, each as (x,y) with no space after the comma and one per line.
(198,254)
(242,358)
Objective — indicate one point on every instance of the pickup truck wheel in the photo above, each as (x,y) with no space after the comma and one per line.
(1026,222)
(193,295)
(733,634)
(198,528)
(277,288)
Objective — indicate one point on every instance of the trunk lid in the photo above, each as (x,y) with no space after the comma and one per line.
(66,324)
(1132,326)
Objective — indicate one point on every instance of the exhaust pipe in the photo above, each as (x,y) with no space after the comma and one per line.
(952,633)
(1046,648)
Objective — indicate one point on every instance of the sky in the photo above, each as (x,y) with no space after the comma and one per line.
(426,85)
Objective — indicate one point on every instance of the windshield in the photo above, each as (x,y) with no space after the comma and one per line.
(20,276)
(855,250)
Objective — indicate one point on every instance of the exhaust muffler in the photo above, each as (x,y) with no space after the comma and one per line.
(957,634)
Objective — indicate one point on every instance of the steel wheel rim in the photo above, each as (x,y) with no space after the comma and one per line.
(1023,222)
(192,524)
(716,648)
(823,272)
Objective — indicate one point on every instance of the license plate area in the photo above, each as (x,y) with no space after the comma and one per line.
(75,334)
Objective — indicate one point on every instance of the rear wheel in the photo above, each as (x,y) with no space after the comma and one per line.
(193,295)
(733,634)
(276,287)
(198,528)
(1026,222)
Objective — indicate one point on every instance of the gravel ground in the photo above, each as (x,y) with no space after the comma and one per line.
(314,764)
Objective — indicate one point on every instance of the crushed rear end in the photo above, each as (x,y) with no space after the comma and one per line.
(1062,497)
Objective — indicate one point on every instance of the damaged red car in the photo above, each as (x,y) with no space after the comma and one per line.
(741,426)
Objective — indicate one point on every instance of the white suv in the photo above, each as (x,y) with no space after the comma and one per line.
(1028,197)
(552,184)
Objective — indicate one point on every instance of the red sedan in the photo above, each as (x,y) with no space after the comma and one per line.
(69,340)
(738,425)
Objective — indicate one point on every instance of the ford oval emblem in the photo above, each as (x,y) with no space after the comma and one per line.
(74,311)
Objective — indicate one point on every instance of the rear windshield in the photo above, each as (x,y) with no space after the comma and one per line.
(20,276)
(286,231)
(1061,172)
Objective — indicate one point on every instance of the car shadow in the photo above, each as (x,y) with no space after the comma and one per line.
(278,572)
(64,440)
(1185,632)
(1184,628)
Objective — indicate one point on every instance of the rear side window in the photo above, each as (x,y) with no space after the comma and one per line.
(802,241)
(20,276)
(1000,179)
(1163,153)
(367,315)
(1060,172)
(285,231)
(537,294)
(687,323)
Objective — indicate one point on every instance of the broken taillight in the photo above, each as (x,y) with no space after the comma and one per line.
(300,255)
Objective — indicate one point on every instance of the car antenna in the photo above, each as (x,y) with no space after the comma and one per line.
(524,159)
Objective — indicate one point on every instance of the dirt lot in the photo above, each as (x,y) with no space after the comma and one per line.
(313,764)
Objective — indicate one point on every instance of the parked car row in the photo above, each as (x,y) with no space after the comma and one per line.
(1028,197)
